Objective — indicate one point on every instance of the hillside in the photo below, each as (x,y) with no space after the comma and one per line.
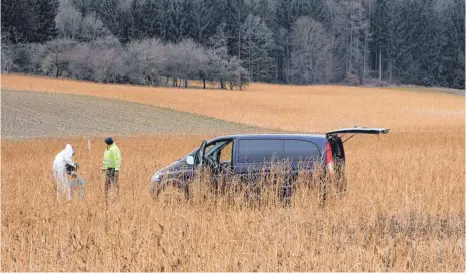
(294,108)
(33,114)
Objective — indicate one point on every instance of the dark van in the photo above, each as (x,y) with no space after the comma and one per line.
(240,155)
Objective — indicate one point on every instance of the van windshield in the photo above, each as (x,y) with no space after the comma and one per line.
(193,152)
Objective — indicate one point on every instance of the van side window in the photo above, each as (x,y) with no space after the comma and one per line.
(226,152)
(260,150)
(300,150)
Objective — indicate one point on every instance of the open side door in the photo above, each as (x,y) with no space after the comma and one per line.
(357,130)
(201,152)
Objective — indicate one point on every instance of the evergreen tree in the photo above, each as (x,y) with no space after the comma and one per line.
(236,12)
(30,21)
(203,19)
(257,46)
(380,21)
(44,24)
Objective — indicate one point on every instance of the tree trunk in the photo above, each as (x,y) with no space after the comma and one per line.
(276,66)
(185,83)
(331,59)
(364,59)
(285,64)
(239,34)
(390,71)
(203,83)
(350,63)
(380,64)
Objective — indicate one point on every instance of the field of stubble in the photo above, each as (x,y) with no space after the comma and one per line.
(404,209)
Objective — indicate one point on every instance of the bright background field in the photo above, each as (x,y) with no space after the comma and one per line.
(404,210)
(299,108)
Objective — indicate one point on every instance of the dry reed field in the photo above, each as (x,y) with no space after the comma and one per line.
(403,209)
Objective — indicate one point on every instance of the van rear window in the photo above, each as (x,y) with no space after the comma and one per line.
(260,150)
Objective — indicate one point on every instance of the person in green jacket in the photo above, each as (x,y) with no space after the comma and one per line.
(111,165)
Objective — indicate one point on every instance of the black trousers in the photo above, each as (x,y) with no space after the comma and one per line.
(112,179)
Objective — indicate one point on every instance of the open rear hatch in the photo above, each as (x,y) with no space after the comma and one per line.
(335,153)
(357,130)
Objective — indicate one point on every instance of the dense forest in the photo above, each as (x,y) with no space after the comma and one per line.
(233,42)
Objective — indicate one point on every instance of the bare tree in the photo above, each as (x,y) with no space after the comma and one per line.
(56,58)
(189,53)
(145,61)
(77,62)
(68,20)
(310,51)
(92,28)
(236,75)
(107,65)
(203,69)
(7,58)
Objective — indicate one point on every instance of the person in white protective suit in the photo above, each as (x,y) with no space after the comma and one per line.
(62,166)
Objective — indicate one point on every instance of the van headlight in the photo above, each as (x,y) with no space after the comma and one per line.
(156,178)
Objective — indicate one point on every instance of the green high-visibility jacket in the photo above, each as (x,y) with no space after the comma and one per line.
(112,158)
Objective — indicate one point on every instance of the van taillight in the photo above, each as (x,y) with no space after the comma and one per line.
(329,158)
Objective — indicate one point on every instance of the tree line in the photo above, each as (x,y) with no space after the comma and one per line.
(233,42)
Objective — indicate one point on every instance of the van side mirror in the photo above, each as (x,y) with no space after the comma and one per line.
(190,160)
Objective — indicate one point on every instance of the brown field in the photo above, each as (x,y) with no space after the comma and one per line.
(404,209)
(298,108)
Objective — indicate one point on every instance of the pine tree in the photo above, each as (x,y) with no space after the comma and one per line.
(257,46)
(380,22)
(173,31)
(203,19)
(453,48)
(30,21)
(236,12)
(15,20)
(44,27)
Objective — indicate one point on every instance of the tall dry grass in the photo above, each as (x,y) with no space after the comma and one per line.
(404,211)
(295,108)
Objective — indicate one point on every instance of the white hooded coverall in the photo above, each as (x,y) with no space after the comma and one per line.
(59,170)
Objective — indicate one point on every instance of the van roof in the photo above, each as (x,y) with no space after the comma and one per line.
(271,136)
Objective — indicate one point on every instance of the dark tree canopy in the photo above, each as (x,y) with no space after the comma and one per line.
(284,41)
(31,21)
